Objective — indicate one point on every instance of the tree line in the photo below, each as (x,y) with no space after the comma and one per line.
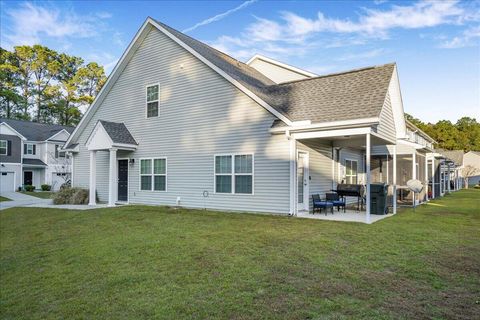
(462,135)
(40,84)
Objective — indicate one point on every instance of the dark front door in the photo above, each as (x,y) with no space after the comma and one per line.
(28,178)
(122,180)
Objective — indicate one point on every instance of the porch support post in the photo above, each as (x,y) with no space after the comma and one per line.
(368,174)
(93,178)
(448,178)
(112,178)
(433,178)
(394,179)
(426,177)
(293,174)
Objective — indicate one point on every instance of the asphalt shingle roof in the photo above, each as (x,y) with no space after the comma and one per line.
(118,132)
(35,131)
(349,95)
(36,162)
(454,155)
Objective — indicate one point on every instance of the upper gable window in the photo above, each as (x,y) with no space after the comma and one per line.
(152,100)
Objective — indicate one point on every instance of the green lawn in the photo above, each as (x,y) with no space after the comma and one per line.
(40,194)
(149,262)
(2,199)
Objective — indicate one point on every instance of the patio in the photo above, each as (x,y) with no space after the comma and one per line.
(348,216)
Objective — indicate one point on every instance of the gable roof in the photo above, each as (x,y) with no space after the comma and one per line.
(281,65)
(35,131)
(454,155)
(356,94)
(118,132)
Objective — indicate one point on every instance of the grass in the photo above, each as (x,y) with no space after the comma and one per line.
(2,199)
(40,194)
(150,262)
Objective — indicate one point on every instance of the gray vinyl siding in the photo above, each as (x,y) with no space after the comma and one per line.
(386,126)
(200,115)
(16,149)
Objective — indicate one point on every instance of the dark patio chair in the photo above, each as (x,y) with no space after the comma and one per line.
(320,204)
(336,200)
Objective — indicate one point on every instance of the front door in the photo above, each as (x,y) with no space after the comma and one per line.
(122,180)
(302,181)
(28,178)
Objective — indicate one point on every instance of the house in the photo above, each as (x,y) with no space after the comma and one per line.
(30,154)
(472,158)
(181,123)
(452,169)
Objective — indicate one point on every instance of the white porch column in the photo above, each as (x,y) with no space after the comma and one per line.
(293,175)
(112,178)
(368,174)
(394,178)
(414,165)
(448,178)
(426,177)
(433,178)
(93,178)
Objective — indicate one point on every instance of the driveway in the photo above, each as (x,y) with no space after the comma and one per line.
(21,200)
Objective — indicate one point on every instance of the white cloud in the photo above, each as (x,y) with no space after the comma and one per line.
(361,55)
(220,16)
(292,34)
(469,37)
(30,22)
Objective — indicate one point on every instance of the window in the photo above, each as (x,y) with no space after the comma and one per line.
(153,174)
(58,152)
(3,147)
(152,101)
(234,174)
(29,148)
(351,172)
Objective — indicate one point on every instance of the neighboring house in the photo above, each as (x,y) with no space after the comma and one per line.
(472,158)
(413,161)
(30,154)
(180,123)
(452,169)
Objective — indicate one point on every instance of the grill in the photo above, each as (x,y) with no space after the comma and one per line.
(351,190)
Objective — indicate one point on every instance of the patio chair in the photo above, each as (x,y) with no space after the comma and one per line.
(336,200)
(320,204)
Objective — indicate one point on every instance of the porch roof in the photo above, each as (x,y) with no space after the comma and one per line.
(33,162)
(107,135)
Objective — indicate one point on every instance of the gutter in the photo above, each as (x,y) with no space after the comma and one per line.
(327,125)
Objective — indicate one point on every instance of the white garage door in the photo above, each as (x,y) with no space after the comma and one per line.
(57,180)
(7,182)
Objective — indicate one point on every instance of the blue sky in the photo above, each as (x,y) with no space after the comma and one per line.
(436,44)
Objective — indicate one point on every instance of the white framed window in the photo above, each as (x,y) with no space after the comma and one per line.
(3,147)
(234,173)
(153,101)
(351,171)
(29,148)
(153,174)
(58,151)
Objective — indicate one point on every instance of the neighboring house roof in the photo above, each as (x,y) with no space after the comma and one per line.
(348,95)
(34,162)
(454,155)
(118,132)
(35,131)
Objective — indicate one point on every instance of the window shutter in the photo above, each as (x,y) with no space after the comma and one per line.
(56,151)
(34,149)
(25,148)
(9,148)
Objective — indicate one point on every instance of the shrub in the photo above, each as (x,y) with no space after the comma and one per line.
(46,187)
(65,185)
(29,188)
(71,196)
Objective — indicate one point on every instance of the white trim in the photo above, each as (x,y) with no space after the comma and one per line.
(282,65)
(147,102)
(152,174)
(63,130)
(13,130)
(328,125)
(293,174)
(331,133)
(233,174)
(6,148)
